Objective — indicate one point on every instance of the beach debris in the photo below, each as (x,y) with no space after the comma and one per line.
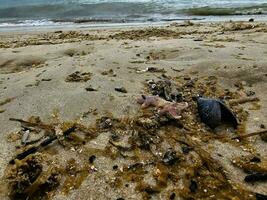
(147,122)
(138,145)
(260,196)
(6,101)
(121,89)
(90,110)
(109,72)
(250,164)
(92,159)
(198,39)
(213,112)
(186,149)
(256,177)
(152,70)
(2,110)
(44,143)
(264,136)
(193,186)
(165,89)
(46,79)
(90,89)
(105,123)
(143,34)
(239,26)
(79,77)
(250,93)
(262,133)
(177,70)
(171,109)
(243,100)
(22,177)
(170,157)
(25,137)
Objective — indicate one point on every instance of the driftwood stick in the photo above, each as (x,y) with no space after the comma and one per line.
(43,144)
(243,100)
(250,134)
(32,124)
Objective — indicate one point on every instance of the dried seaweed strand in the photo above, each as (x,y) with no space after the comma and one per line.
(250,134)
(243,100)
(33,124)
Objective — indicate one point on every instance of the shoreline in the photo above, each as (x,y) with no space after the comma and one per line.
(69,25)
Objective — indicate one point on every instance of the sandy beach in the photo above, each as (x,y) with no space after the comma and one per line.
(90,77)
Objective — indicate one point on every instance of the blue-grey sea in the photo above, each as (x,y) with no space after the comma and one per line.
(49,12)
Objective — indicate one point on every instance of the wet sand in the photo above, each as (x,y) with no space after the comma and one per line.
(33,79)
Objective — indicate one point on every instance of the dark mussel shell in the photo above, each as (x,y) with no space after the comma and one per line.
(260,196)
(213,112)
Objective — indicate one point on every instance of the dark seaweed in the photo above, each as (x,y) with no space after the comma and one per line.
(256,177)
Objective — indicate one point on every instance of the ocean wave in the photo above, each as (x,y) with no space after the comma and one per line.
(114,12)
(207,11)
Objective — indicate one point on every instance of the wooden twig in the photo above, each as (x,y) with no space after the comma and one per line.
(250,134)
(243,100)
(32,124)
(43,144)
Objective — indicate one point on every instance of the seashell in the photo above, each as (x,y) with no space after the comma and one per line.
(260,196)
(213,112)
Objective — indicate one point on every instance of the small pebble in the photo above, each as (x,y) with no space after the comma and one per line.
(193,186)
(121,89)
(115,167)
(186,149)
(90,89)
(170,157)
(92,159)
(172,197)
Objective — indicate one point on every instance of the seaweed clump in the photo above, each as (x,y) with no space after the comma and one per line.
(29,180)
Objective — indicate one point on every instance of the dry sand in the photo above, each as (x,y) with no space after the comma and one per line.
(34,66)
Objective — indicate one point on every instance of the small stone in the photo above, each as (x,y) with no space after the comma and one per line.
(186,149)
(172,197)
(193,186)
(170,157)
(262,126)
(115,167)
(250,93)
(46,79)
(251,20)
(92,159)
(264,137)
(255,160)
(90,89)
(105,123)
(187,78)
(198,39)
(121,89)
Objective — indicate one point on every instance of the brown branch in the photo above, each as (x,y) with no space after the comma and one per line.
(250,134)
(33,124)
(243,100)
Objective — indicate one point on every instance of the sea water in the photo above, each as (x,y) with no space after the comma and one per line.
(14,13)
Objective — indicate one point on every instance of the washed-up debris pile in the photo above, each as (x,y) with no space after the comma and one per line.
(165,153)
(79,77)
